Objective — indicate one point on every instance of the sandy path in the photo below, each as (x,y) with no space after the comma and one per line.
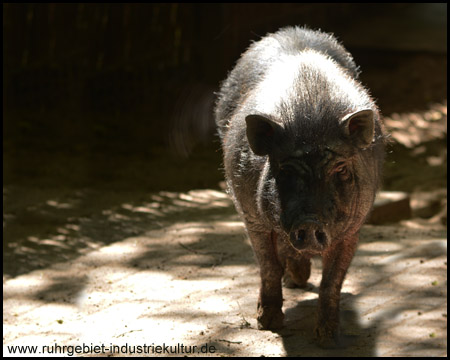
(175,270)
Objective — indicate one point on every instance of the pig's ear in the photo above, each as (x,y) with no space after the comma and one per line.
(359,126)
(262,134)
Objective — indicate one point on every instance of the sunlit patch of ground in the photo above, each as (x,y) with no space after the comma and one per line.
(187,275)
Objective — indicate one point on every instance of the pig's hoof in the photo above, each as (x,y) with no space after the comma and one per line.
(327,337)
(270,318)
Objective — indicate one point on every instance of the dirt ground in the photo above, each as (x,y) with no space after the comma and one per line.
(161,272)
(177,268)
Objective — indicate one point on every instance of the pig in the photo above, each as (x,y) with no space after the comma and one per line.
(303,149)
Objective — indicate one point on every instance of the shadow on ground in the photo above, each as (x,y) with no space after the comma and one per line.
(181,270)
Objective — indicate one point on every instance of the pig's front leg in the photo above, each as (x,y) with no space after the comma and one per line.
(336,261)
(270,299)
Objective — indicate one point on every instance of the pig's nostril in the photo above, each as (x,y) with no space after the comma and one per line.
(321,237)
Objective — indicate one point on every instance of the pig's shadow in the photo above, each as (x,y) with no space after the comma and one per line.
(298,331)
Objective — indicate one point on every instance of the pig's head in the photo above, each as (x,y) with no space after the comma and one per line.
(320,181)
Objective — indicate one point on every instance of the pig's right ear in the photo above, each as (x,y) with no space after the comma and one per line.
(262,134)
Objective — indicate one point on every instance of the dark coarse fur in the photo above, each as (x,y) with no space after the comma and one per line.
(303,149)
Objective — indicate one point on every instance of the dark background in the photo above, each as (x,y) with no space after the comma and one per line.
(120,95)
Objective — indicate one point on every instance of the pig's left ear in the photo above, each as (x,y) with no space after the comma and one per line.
(262,134)
(359,126)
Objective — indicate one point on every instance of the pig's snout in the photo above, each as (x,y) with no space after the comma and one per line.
(309,234)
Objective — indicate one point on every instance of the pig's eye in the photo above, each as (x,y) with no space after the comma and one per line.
(342,171)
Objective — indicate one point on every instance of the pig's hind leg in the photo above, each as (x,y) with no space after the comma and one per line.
(297,267)
(297,272)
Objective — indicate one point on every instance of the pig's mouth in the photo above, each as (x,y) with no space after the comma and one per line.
(309,237)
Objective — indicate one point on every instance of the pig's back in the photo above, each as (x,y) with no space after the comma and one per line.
(254,64)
